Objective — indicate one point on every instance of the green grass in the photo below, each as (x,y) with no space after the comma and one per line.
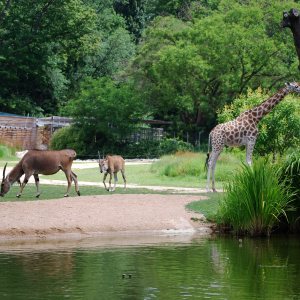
(189,166)
(207,207)
(55,192)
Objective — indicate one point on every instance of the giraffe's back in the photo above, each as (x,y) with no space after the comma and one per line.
(233,133)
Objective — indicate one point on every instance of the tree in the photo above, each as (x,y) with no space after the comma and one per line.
(117,44)
(190,69)
(134,12)
(278,131)
(39,41)
(106,107)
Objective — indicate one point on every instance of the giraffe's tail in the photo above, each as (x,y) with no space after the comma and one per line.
(207,158)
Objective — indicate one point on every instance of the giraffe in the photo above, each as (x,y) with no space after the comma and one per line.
(242,130)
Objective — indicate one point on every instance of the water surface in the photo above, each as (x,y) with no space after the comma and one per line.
(161,267)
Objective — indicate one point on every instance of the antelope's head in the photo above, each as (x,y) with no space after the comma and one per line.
(6,184)
(103,164)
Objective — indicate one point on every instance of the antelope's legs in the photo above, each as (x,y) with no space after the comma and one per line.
(104,177)
(110,176)
(74,176)
(69,179)
(116,180)
(124,178)
(37,183)
(26,179)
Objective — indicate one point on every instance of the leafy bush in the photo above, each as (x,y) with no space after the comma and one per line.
(79,139)
(254,199)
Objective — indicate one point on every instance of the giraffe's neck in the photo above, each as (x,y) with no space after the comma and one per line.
(258,112)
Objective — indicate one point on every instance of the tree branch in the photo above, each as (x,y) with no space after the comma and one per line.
(37,24)
(5,10)
(249,77)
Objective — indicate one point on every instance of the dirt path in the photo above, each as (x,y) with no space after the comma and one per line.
(107,215)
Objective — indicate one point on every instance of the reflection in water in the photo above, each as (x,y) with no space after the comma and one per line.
(162,267)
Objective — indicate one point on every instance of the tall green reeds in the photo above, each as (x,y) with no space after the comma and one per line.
(254,199)
(290,172)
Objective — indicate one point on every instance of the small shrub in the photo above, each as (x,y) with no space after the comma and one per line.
(254,199)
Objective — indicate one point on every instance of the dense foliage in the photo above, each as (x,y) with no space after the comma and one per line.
(102,104)
(48,47)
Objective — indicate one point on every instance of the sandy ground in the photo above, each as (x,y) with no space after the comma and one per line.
(111,214)
(102,215)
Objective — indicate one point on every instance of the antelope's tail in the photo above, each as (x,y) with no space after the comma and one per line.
(207,158)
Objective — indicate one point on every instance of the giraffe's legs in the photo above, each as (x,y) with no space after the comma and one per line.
(211,166)
(249,150)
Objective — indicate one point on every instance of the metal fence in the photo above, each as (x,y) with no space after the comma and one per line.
(141,133)
(18,131)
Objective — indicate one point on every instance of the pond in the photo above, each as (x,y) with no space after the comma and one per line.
(156,267)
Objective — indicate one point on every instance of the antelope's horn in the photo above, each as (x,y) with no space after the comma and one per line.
(103,154)
(99,155)
(4,172)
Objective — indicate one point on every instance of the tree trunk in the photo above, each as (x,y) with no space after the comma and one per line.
(292,20)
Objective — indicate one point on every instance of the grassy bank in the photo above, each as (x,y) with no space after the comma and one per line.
(55,192)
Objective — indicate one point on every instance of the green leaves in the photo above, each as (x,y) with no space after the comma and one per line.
(33,35)
(102,104)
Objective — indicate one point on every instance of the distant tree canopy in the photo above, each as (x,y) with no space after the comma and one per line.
(48,47)
(40,43)
(174,60)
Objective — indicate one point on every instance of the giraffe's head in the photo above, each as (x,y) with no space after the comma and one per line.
(293,87)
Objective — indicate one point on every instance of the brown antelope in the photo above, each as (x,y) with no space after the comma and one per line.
(45,162)
(112,164)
